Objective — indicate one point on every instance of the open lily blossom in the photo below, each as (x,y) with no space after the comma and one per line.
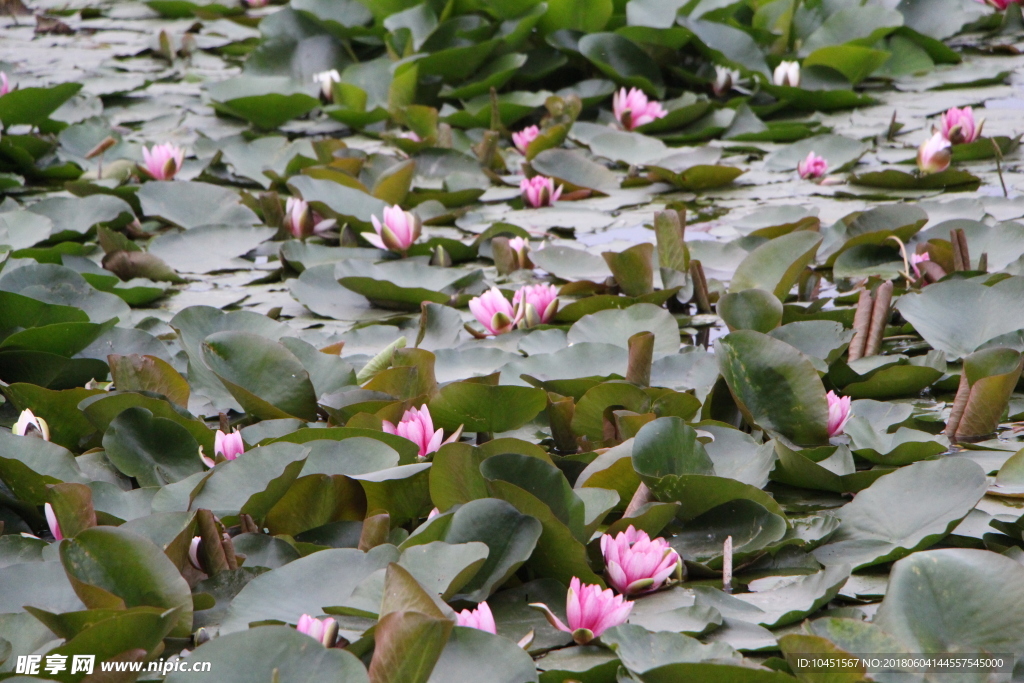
(959,127)
(934,155)
(51,522)
(539,191)
(326,81)
(589,610)
(494,312)
(523,138)
(838,413)
(29,424)
(417,426)
(634,563)
(324,630)
(787,73)
(5,84)
(480,618)
(162,162)
(812,167)
(537,304)
(632,109)
(397,232)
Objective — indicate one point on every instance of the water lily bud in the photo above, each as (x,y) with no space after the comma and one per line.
(481,618)
(838,413)
(787,73)
(326,81)
(725,79)
(51,521)
(325,631)
(632,109)
(934,155)
(5,85)
(298,217)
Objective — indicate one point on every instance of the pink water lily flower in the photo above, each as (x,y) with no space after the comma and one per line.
(536,304)
(5,85)
(494,312)
(787,73)
(29,424)
(632,109)
(51,521)
(1000,4)
(325,631)
(934,155)
(228,445)
(919,258)
(589,610)
(523,138)
(812,167)
(539,191)
(163,161)
(959,127)
(838,413)
(480,618)
(636,564)
(417,426)
(398,231)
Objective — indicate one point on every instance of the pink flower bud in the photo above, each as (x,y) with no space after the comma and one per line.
(162,162)
(494,312)
(539,191)
(537,304)
(838,413)
(229,445)
(632,109)
(298,217)
(5,85)
(934,155)
(521,247)
(919,258)
(523,138)
(958,125)
(398,231)
(193,552)
(812,167)
(417,426)
(787,73)
(480,618)
(51,521)
(636,564)
(589,610)
(325,631)
(257,3)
